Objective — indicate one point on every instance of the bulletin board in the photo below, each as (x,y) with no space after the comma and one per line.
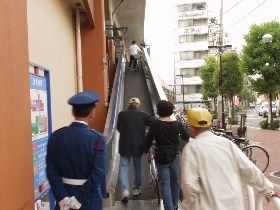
(41,126)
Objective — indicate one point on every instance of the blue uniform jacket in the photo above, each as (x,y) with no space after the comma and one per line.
(77,152)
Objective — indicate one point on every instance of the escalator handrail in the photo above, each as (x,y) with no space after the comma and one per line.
(115,103)
(110,131)
(154,75)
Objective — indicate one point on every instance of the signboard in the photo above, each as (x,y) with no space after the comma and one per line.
(192,30)
(41,126)
(192,14)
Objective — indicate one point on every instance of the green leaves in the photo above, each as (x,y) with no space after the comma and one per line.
(262,58)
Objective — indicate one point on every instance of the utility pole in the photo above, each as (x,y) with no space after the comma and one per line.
(219,44)
(221,40)
(183,91)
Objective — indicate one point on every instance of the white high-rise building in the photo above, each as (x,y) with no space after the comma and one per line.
(190,50)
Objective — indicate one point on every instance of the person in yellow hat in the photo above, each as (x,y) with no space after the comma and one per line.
(213,168)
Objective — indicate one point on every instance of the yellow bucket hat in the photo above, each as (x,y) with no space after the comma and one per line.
(198,117)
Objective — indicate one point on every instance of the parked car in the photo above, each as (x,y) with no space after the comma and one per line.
(252,105)
(263,110)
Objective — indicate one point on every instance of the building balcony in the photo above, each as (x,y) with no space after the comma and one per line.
(189,63)
(192,46)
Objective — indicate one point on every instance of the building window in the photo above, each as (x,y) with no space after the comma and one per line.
(191,89)
(184,8)
(185,23)
(199,6)
(200,54)
(199,38)
(190,7)
(198,89)
(200,22)
(186,55)
(190,55)
(196,72)
(186,38)
(193,38)
(188,72)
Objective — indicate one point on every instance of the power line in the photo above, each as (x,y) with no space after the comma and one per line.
(229,9)
(245,15)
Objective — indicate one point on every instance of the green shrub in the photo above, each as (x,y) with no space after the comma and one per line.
(238,109)
(264,124)
(275,125)
(214,115)
(232,120)
(226,111)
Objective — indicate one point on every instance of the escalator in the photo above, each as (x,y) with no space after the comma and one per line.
(138,84)
(145,85)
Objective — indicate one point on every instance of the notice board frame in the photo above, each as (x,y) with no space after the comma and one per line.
(40,86)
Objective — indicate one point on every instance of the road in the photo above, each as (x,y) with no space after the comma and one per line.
(253,118)
(270,140)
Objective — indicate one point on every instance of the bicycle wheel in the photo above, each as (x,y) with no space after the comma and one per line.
(240,143)
(157,190)
(138,64)
(154,177)
(258,155)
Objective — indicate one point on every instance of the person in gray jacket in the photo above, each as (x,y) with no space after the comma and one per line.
(132,126)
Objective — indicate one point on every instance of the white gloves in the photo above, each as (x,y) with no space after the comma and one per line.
(69,203)
(74,203)
(63,203)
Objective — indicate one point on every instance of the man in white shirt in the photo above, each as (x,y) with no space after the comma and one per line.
(213,169)
(133,50)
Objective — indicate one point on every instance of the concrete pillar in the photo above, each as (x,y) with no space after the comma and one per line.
(95,70)
(16,163)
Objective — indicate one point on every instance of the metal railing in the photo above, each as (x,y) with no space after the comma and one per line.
(110,131)
(257,203)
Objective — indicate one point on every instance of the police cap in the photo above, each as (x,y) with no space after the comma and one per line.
(84,98)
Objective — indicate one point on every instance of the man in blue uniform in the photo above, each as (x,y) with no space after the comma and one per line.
(76,158)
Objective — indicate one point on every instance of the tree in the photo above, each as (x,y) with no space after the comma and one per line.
(208,88)
(247,96)
(232,77)
(259,58)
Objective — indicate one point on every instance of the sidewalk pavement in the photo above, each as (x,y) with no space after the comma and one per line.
(270,141)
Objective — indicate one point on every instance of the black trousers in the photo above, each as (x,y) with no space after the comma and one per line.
(133,61)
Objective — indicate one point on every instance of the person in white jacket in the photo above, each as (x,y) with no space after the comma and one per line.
(214,168)
(133,51)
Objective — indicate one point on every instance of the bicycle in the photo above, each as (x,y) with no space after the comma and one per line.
(241,142)
(138,63)
(258,155)
(154,177)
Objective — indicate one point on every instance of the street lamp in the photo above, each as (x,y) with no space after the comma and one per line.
(173,93)
(220,48)
(182,76)
(267,38)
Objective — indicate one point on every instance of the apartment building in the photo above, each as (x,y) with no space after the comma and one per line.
(190,50)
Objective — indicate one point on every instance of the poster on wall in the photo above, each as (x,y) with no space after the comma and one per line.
(39,106)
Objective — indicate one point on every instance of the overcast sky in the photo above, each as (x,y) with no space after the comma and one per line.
(238,16)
